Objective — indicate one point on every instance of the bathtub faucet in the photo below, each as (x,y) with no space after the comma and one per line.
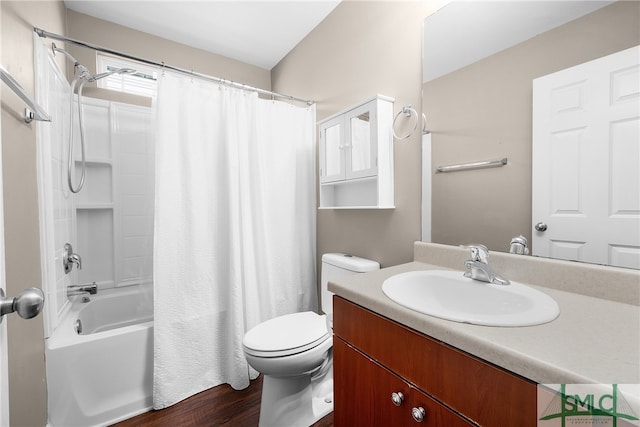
(89,288)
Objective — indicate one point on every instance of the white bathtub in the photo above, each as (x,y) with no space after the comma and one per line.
(104,374)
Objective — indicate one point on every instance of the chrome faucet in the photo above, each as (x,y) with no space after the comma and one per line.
(88,289)
(479,267)
(69,258)
(518,245)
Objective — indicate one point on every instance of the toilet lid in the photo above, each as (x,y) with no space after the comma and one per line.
(288,334)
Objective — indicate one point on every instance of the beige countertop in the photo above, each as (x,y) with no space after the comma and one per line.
(593,340)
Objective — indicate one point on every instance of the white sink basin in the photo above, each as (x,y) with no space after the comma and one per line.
(451,296)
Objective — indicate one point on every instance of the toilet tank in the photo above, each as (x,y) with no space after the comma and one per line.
(337,265)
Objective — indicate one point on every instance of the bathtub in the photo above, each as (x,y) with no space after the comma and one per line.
(100,359)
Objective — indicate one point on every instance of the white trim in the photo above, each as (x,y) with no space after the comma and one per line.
(426,187)
(4,368)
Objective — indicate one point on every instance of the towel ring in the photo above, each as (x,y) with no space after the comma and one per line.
(407,112)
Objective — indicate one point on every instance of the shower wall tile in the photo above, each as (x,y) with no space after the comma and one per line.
(133,163)
(56,213)
(133,184)
(134,151)
(134,205)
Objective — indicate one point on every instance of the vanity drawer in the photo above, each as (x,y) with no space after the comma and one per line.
(363,395)
(484,393)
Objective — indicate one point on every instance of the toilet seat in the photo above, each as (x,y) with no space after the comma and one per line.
(286,335)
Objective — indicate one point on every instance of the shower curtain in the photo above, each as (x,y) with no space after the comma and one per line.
(234,229)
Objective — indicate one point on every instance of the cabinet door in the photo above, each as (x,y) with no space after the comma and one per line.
(362,142)
(363,391)
(332,148)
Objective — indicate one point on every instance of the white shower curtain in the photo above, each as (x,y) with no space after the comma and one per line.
(234,229)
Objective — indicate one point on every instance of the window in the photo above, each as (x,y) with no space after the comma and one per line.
(143,82)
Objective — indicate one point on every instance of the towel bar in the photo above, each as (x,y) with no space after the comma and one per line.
(38,113)
(473,165)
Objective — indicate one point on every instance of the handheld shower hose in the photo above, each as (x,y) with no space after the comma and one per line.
(83,77)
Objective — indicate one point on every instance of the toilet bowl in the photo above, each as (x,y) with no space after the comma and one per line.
(294,353)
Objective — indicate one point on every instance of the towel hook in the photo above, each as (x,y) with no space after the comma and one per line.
(407,111)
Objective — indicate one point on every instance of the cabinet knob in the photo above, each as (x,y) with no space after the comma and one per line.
(397,398)
(418,414)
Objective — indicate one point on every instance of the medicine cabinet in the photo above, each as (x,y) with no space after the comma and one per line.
(356,156)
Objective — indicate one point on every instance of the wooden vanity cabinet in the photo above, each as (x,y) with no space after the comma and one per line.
(363,395)
(375,357)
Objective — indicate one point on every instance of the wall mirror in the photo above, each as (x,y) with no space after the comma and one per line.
(360,142)
(479,61)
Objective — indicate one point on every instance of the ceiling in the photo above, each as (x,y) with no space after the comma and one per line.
(258,32)
(463,32)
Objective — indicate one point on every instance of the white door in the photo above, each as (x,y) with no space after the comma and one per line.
(4,371)
(586,162)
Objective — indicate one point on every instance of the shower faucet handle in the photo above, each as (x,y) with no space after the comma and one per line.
(69,258)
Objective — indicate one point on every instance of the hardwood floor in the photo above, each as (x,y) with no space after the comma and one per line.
(218,406)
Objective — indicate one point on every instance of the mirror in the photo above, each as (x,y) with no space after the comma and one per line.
(360,142)
(479,61)
(333,149)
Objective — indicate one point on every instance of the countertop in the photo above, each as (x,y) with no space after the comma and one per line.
(593,340)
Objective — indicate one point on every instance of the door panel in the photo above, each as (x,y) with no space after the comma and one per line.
(363,394)
(586,162)
(331,149)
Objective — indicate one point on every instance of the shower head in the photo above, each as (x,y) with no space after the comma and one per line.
(55,49)
(84,72)
(108,73)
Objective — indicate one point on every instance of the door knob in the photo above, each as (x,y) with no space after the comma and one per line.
(28,304)
(541,226)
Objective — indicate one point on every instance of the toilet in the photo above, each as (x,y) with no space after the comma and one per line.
(293,352)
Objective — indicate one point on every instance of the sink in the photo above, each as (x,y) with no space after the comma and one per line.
(451,296)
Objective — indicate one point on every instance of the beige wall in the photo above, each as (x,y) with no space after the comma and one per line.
(483,111)
(360,49)
(116,37)
(28,398)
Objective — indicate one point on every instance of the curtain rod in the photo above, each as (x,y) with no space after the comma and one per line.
(45,34)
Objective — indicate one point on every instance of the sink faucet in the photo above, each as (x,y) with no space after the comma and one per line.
(89,288)
(479,267)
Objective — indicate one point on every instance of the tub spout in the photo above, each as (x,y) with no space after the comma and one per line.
(89,288)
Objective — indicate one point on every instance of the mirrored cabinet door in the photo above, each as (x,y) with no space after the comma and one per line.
(332,160)
(361,142)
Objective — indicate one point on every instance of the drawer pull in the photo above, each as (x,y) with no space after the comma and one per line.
(418,414)
(397,398)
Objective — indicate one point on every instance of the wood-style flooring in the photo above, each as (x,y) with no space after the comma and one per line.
(218,406)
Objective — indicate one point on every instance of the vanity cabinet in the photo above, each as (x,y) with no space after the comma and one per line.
(356,156)
(375,357)
(367,394)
